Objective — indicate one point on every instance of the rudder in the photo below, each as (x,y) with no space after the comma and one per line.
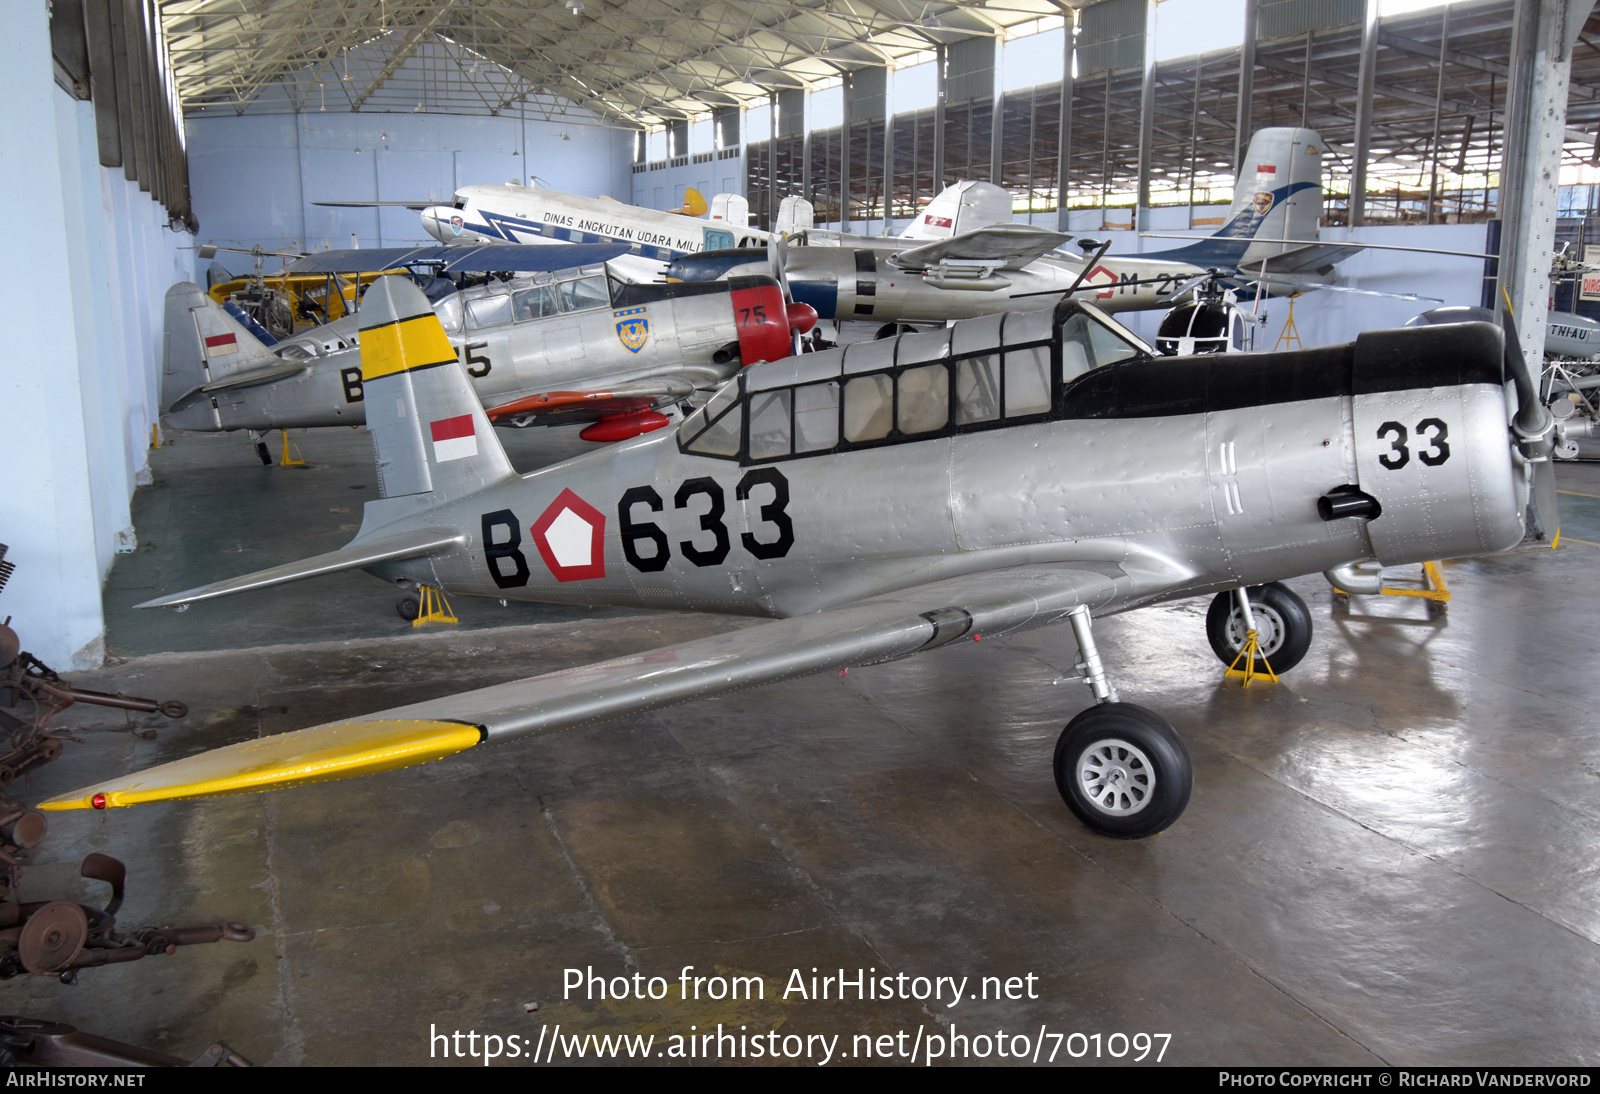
(202,345)
(429,432)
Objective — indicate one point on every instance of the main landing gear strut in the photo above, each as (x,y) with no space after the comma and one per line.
(1121,768)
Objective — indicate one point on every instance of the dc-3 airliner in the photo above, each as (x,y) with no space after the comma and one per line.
(895,496)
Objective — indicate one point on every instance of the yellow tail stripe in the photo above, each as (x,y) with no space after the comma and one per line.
(318,754)
(410,343)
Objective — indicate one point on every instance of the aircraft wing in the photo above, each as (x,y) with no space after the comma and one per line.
(380,549)
(563,407)
(1015,245)
(883,628)
(483,258)
(416,205)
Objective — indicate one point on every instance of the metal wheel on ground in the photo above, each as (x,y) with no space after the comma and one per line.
(1283,626)
(1123,770)
(408,604)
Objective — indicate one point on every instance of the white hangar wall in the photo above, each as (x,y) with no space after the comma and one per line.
(254,176)
(81,349)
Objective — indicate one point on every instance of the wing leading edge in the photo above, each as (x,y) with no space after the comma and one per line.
(883,628)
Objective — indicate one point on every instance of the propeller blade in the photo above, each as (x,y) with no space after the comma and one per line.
(778,259)
(1546,505)
(1311,286)
(1185,287)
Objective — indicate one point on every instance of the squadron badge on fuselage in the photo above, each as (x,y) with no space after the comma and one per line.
(633,328)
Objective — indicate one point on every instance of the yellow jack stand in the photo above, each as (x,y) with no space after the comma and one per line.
(1430,587)
(155,435)
(1289,337)
(434,608)
(1252,647)
(286,460)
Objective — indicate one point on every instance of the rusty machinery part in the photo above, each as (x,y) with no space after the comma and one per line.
(52,938)
(20,827)
(59,937)
(34,1042)
(23,677)
(21,830)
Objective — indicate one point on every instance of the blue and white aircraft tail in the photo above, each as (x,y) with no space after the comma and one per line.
(1277,196)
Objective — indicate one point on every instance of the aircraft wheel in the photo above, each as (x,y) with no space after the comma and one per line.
(408,604)
(1123,770)
(263,454)
(1283,626)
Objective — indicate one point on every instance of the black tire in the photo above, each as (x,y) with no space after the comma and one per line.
(1150,774)
(1283,623)
(409,605)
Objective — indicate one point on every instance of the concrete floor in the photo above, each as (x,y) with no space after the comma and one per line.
(1391,857)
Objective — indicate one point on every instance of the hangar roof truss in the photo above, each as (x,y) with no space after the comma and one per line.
(632,61)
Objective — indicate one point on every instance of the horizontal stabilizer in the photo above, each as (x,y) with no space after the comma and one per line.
(867,632)
(256,377)
(1014,245)
(423,541)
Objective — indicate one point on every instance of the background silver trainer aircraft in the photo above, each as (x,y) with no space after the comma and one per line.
(899,495)
(556,345)
(975,261)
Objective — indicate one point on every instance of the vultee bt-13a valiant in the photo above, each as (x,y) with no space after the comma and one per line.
(549,347)
(900,495)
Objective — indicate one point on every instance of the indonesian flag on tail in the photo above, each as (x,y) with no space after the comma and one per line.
(220,345)
(453,439)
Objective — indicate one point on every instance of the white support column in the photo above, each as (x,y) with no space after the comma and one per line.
(1536,118)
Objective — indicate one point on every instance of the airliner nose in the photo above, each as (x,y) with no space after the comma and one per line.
(436,223)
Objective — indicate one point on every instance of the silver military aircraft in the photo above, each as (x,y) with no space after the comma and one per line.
(965,258)
(968,259)
(551,346)
(895,496)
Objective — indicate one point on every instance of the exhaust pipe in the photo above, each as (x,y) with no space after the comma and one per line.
(1364,577)
(1348,501)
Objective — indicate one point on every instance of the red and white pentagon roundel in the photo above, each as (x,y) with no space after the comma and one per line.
(570,536)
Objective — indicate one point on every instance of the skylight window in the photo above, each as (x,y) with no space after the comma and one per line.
(1187,27)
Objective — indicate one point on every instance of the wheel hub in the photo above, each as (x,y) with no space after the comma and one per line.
(1269,629)
(1116,776)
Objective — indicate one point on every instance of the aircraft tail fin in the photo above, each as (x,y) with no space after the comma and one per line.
(731,208)
(429,432)
(795,215)
(203,345)
(963,207)
(1278,195)
(694,203)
